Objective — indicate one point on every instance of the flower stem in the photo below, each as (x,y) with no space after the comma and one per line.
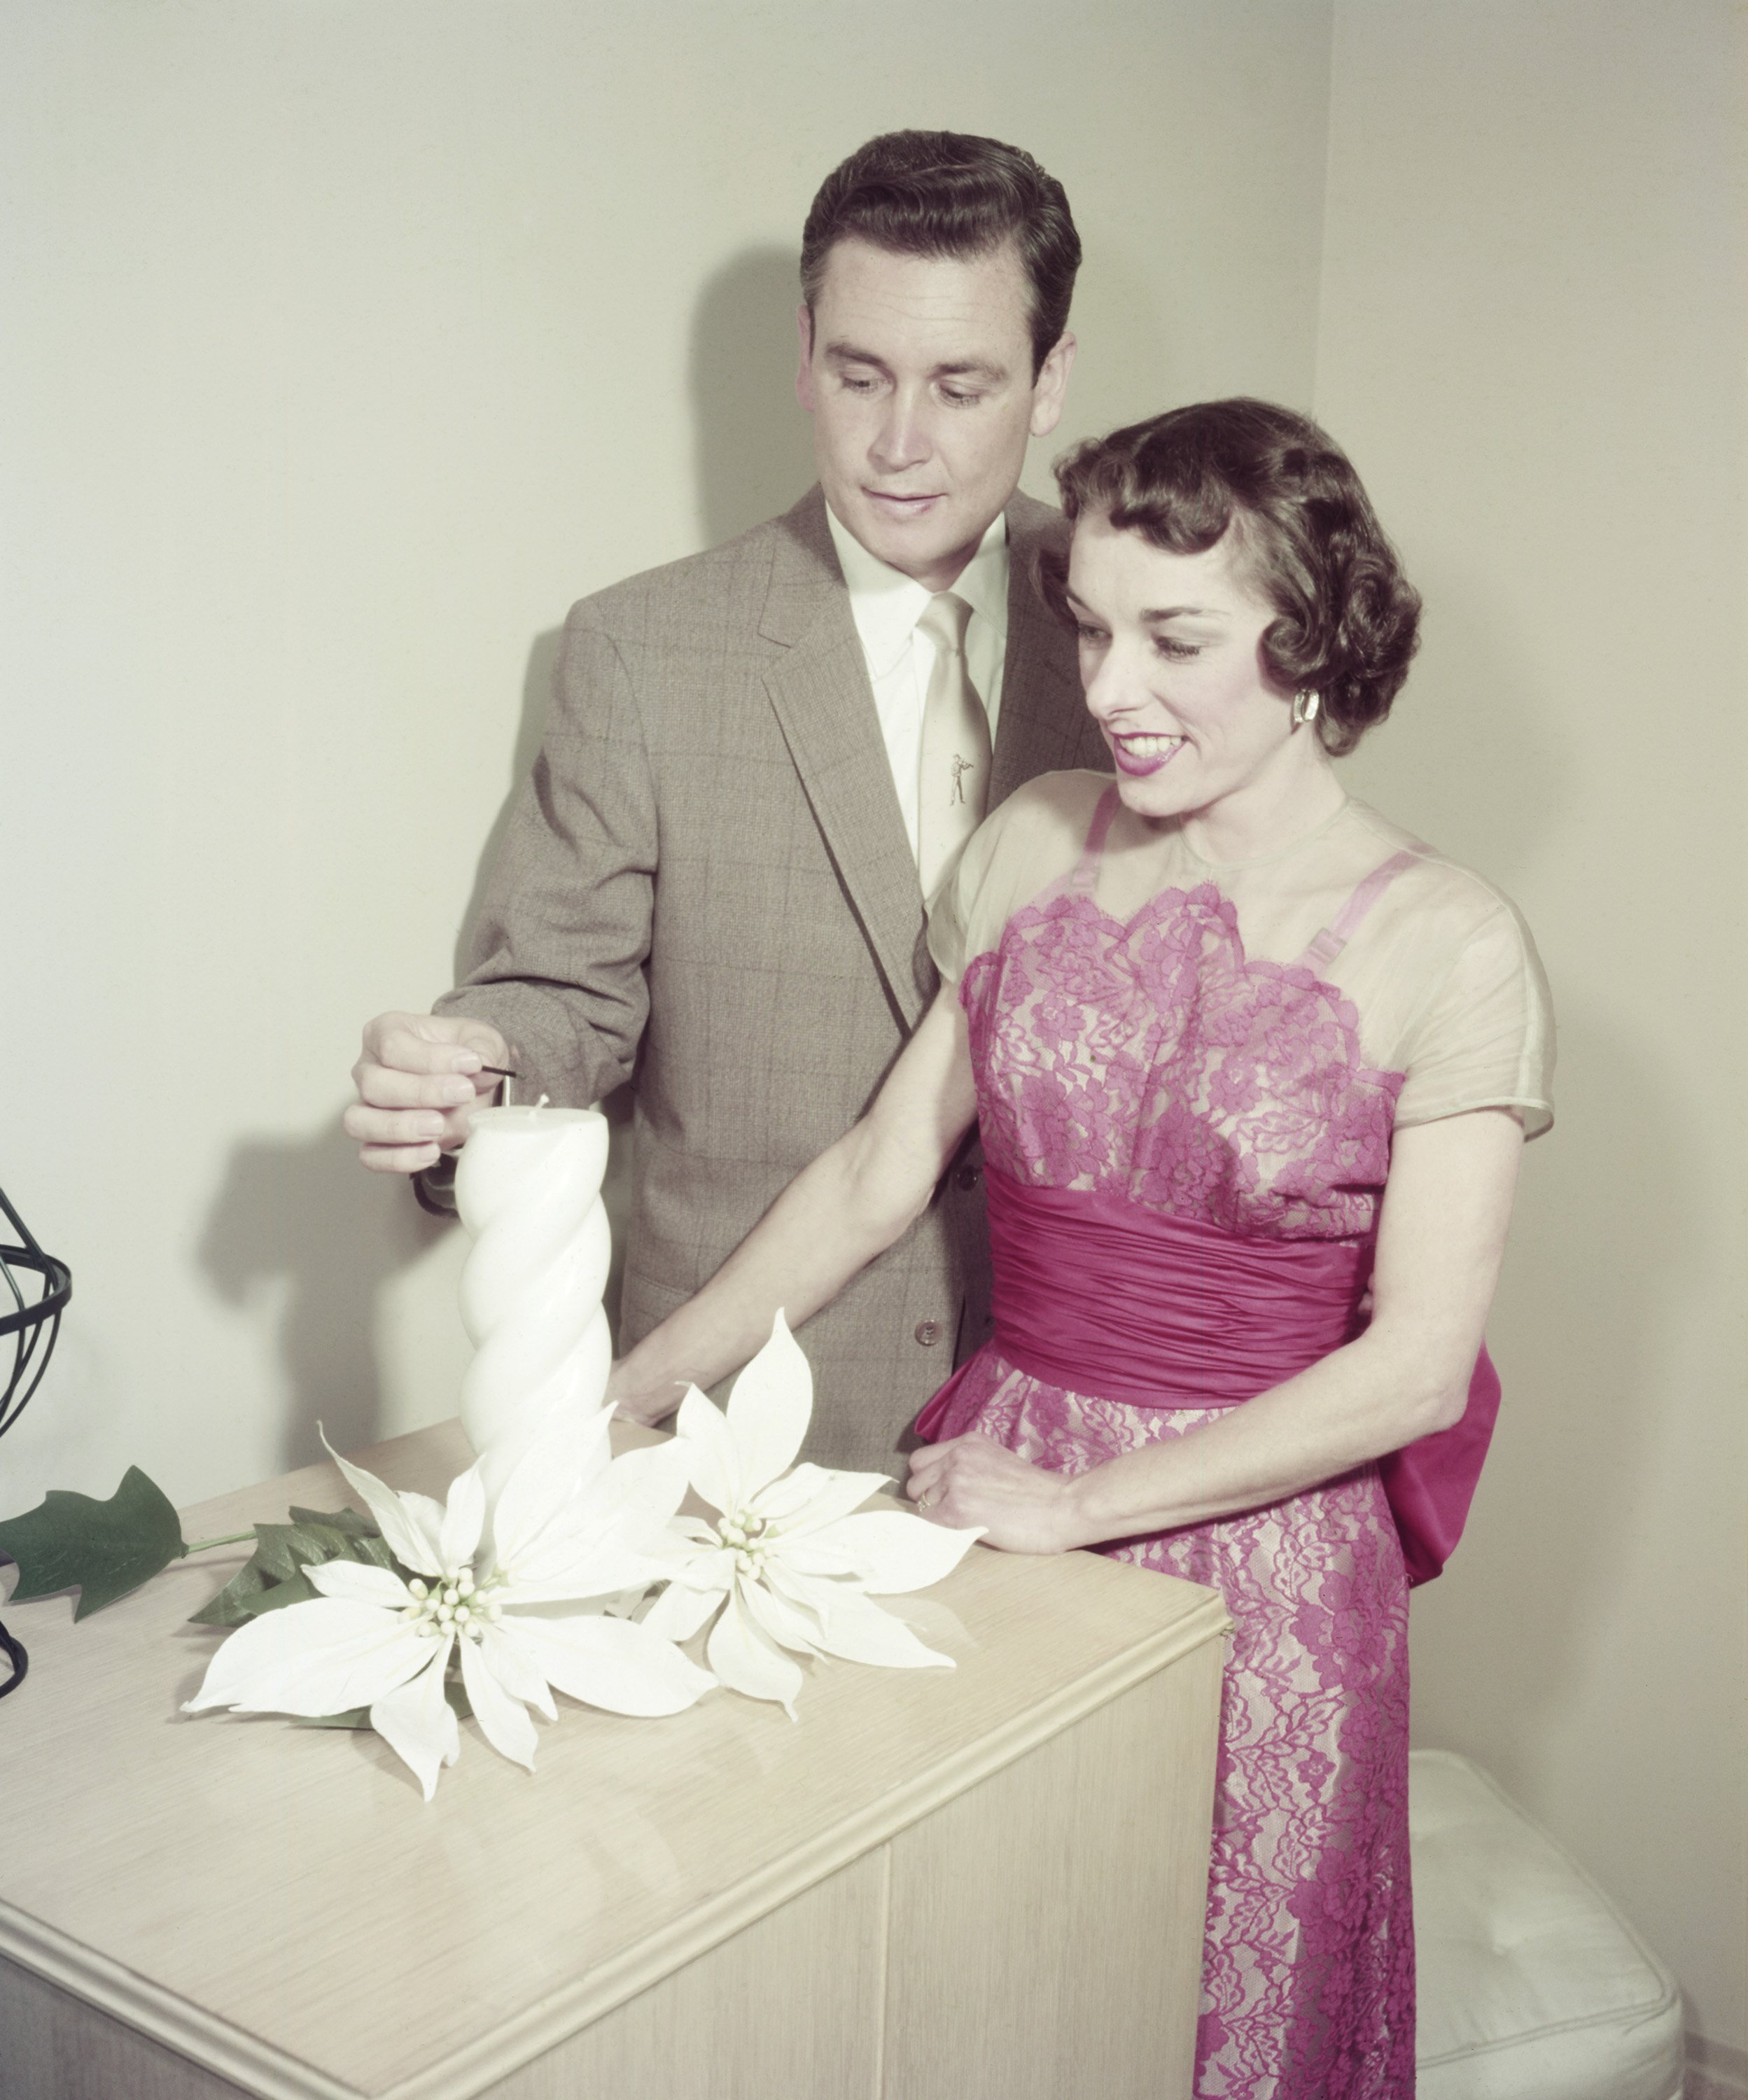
(230,1538)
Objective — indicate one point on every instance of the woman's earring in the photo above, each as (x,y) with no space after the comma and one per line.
(1305,706)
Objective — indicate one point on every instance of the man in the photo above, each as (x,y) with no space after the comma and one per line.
(759,761)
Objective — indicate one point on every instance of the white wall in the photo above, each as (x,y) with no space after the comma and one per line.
(347,344)
(1532,342)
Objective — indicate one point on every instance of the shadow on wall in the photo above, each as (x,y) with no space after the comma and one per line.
(1475,763)
(1470,757)
(536,695)
(1603,1226)
(1603,1233)
(299,1216)
(753,444)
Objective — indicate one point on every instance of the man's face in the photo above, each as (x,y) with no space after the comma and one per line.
(917,372)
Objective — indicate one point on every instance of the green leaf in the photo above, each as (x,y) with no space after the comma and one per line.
(348,1520)
(273,1577)
(102,1550)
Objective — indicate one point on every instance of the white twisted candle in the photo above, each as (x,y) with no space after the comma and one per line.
(529,1188)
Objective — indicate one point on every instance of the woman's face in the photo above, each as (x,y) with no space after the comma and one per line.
(1173,673)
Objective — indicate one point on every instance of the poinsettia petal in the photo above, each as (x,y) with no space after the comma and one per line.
(890,1552)
(406,1537)
(419,1723)
(463,1519)
(620,1539)
(808,1557)
(649,1485)
(605,1568)
(810,1593)
(770,1408)
(324,1656)
(712,1459)
(860,1630)
(789,1626)
(533,1506)
(748,1661)
(426,1516)
(616,1664)
(813,1495)
(504,1720)
(360,1585)
(678,1612)
(512,1665)
(713,1568)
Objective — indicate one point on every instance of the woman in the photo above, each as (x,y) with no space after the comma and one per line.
(1253,1069)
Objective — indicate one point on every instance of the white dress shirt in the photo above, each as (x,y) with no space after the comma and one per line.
(886,607)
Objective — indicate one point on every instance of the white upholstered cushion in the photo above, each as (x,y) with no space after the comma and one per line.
(1531,1985)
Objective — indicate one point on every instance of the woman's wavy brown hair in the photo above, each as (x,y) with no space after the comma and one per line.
(1346,620)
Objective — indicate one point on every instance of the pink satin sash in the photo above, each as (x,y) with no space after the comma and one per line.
(1111,1300)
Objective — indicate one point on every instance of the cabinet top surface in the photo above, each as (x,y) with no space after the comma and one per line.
(290,1886)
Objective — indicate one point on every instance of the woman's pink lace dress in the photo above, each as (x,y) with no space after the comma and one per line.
(1149,1059)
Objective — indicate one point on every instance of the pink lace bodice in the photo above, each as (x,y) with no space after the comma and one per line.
(1152,1059)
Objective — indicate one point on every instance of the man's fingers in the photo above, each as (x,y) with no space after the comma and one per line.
(385,1087)
(417,1076)
(408,1050)
(433,1043)
(378,1126)
(400,1159)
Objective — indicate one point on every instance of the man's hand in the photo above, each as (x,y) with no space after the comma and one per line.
(418,1076)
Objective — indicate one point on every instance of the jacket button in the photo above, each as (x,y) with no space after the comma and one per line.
(928,1333)
(966,1177)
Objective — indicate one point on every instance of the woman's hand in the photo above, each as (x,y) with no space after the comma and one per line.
(1022,1508)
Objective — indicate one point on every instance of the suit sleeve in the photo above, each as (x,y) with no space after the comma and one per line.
(556,959)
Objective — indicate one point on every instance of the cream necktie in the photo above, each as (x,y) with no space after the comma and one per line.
(953,768)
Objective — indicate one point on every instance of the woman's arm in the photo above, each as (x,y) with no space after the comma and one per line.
(855,1199)
(1440,1237)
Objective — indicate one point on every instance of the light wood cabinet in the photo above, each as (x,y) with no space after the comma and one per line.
(985,1881)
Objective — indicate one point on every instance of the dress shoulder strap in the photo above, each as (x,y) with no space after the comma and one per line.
(1326,945)
(1085,876)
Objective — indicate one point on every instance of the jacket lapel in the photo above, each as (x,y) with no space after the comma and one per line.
(819,690)
(1042,707)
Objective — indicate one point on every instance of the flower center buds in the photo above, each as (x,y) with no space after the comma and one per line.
(454,1604)
(745,1537)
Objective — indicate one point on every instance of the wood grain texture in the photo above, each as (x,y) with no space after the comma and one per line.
(788,2010)
(278,1903)
(1046,1927)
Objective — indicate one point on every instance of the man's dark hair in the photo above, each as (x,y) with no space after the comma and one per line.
(947,193)
(1307,539)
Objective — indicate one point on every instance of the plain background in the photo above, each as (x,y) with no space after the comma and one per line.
(347,342)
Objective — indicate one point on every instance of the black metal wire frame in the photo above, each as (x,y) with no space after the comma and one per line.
(14,1651)
(35,1324)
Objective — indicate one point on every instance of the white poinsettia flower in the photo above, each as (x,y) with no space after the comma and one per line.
(572,1527)
(788,1565)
